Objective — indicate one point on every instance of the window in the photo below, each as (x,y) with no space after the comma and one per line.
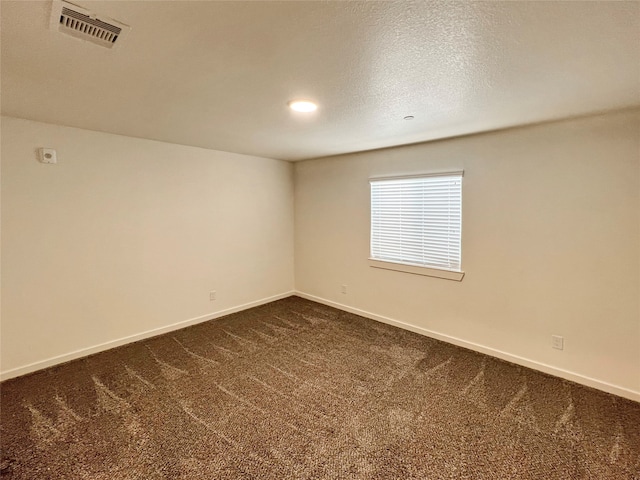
(416,224)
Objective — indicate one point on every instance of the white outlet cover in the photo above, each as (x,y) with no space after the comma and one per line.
(557,342)
(47,155)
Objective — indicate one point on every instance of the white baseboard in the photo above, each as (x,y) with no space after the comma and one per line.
(525,362)
(558,372)
(83,352)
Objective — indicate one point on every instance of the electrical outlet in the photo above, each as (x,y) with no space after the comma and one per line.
(557,342)
(344,289)
(212,295)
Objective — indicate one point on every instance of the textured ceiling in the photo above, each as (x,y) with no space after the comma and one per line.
(218,74)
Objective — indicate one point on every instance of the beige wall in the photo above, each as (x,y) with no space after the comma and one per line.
(125,235)
(551,226)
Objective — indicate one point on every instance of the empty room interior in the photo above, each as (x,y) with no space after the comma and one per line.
(320,240)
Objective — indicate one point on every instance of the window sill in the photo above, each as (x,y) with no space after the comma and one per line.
(418,270)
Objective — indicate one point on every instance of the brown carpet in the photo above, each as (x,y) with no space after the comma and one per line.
(298,390)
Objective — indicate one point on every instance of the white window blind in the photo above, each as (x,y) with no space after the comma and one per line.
(417,220)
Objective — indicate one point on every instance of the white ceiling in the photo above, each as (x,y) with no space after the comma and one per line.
(219,74)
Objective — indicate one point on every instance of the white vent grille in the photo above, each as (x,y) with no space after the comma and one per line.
(80,23)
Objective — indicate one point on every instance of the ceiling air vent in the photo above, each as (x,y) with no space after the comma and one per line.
(81,23)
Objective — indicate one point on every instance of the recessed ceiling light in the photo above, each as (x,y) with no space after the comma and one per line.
(409,117)
(303,106)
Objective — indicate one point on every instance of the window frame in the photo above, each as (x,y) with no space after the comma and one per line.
(426,270)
